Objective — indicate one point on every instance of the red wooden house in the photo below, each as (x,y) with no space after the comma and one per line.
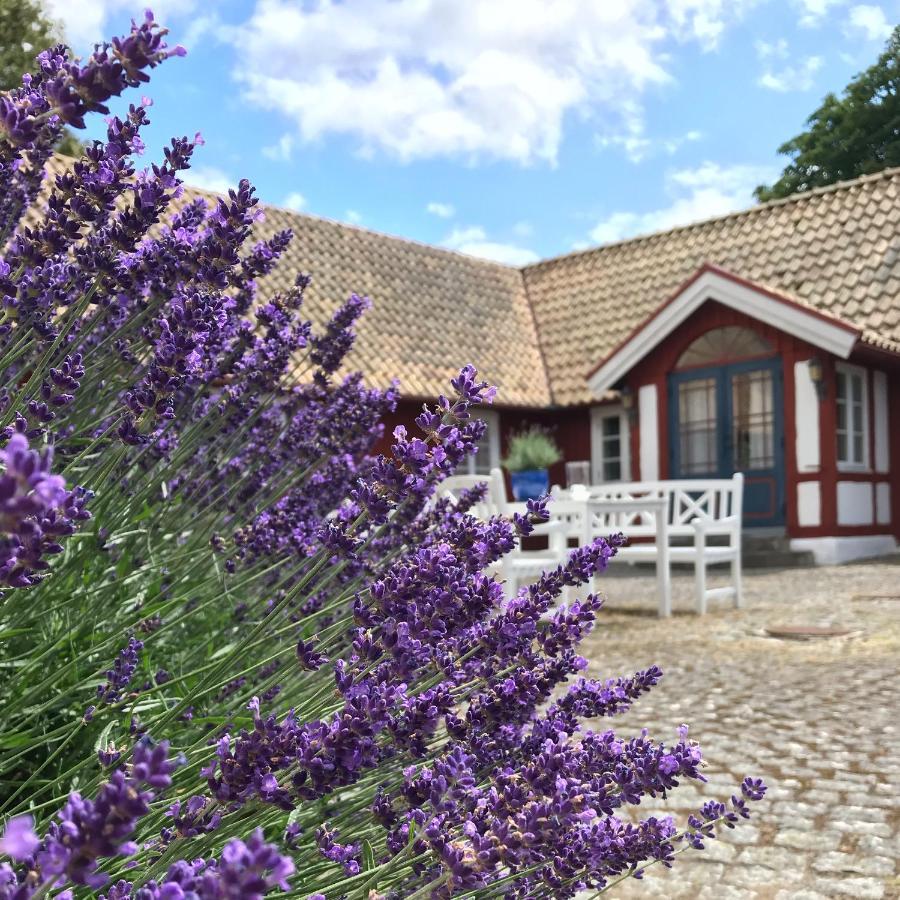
(766,341)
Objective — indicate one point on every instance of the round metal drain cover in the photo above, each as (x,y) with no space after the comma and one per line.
(806,632)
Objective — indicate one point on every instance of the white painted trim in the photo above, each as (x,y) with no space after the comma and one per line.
(710,285)
(649,432)
(806,418)
(832,551)
(809,504)
(855,503)
(598,414)
(882,435)
(864,464)
(492,417)
(883,503)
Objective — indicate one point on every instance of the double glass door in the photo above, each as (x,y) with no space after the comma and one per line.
(728,419)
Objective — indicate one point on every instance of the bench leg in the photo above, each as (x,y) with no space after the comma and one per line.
(700,585)
(510,583)
(736,580)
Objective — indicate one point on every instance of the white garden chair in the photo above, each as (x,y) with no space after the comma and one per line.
(518,565)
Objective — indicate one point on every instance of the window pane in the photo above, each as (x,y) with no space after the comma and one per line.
(851,417)
(753,421)
(731,342)
(698,427)
(612,470)
(611,426)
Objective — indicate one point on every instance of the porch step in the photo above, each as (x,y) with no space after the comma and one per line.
(773,552)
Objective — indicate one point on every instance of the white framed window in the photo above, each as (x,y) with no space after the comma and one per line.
(487,456)
(852,399)
(610,445)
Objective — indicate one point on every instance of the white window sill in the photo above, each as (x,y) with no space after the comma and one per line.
(854,468)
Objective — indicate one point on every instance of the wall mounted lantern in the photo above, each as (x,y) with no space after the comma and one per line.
(627,395)
(817,376)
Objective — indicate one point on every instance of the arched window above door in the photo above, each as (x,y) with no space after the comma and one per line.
(724,344)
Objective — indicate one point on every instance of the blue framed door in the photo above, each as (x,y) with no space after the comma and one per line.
(727,419)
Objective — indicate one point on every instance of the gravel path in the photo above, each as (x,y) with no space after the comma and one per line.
(819,720)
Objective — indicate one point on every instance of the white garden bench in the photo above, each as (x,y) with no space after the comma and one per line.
(694,509)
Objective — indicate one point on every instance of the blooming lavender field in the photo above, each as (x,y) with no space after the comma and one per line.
(243,656)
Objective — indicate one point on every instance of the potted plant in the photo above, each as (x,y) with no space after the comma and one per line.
(531,453)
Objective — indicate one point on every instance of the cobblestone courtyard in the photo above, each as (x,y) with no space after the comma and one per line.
(818,720)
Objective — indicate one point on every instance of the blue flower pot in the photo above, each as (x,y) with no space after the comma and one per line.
(530,484)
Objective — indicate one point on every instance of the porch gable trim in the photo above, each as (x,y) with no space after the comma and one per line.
(712,283)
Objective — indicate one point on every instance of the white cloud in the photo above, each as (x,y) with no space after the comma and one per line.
(425,78)
(474,241)
(353,217)
(869,22)
(441,210)
(210,178)
(701,193)
(91,21)
(792,78)
(813,12)
(633,139)
(772,50)
(294,200)
(281,150)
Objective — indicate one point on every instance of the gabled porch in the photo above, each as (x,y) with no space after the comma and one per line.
(729,376)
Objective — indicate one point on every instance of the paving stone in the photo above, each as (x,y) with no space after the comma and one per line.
(875,828)
(812,839)
(778,858)
(859,888)
(864,813)
(879,846)
(846,862)
(726,892)
(800,894)
(743,834)
(757,876)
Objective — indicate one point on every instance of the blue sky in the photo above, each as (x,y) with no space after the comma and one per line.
(511,129)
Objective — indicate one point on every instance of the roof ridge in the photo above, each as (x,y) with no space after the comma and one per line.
(801,196)
(365,230)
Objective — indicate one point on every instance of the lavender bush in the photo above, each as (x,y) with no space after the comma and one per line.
(241,654)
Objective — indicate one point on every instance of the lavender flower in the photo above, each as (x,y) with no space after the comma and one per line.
(35,510)
(120,675)
(246,869)
(87,831)
(19,840)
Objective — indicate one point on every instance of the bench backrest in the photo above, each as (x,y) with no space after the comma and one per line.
(717,501)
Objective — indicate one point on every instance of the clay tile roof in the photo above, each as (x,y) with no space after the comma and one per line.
(537,331)
(834,249)
(433,310)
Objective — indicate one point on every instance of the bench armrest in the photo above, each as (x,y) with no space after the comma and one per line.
(556,532)
(703,527)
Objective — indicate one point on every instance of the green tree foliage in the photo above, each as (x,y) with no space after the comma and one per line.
(848,136)
(26,30)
